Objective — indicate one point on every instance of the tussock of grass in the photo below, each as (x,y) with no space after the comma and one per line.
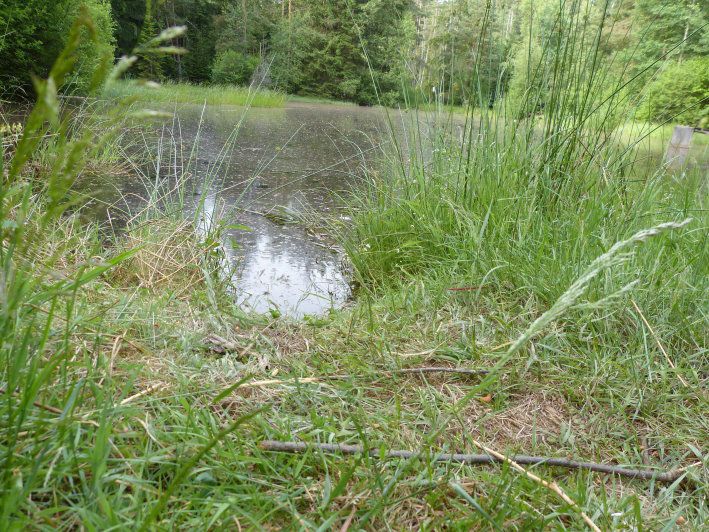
(165,254)
(185,93)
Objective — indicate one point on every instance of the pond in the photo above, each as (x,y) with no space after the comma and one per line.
(271,169)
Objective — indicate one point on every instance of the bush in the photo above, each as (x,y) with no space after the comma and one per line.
(37,33)
(234,68)
(680,94)
(29,40)
(92,51)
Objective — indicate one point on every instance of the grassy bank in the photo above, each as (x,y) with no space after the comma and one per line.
(186,93)
(131,407)
(135,393)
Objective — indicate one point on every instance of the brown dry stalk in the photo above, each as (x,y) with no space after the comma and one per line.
(476,459)
(657,341)
(48,408)
(348,521)
(553,486)
(405,371)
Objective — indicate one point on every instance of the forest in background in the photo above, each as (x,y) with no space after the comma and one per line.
(378,51)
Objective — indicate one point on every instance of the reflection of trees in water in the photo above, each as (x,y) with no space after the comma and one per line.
(296,159)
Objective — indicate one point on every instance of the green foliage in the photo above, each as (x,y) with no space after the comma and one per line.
(35,31)
(669,30)
(199,16)
(29,37)
(527,78)
(344,50)
(293,44)
(149,65)
(680,94)
(387,36)
(246,25)
(329,60)
(462,64)
(129,16)
(97,46)
(234,68)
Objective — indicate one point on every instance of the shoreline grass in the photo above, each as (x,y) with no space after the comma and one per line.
(296,98)
(144,391)
(186,93)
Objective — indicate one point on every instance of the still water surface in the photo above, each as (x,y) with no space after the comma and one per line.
(300,159)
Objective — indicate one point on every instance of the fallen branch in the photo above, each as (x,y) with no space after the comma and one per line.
(475,459)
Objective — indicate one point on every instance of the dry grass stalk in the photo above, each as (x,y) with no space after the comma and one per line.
(168,254)
(115,349)
(147,391)
(659,344)
(553,486)
(405,371)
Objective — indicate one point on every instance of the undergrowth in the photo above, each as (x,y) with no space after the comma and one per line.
(185,93)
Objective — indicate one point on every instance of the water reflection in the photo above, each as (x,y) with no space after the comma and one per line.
(253,164)
(283,270)
(278,268)
(268,161)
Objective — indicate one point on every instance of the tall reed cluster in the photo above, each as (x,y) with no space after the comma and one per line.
(524,195)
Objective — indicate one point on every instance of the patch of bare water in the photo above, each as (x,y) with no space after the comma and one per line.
(270,170)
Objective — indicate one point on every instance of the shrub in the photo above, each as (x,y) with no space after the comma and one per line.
(680,94)
(234,68)
(39,31)
(92,51)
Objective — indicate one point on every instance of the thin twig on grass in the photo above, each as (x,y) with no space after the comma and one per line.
(42,406)
(476,459)
(52,409)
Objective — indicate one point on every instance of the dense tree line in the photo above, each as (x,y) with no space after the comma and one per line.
(33,33)
(387,51)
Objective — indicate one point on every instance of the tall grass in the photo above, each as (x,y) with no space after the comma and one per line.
(67,302)
(513,209)
(186,93)
(524,198)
